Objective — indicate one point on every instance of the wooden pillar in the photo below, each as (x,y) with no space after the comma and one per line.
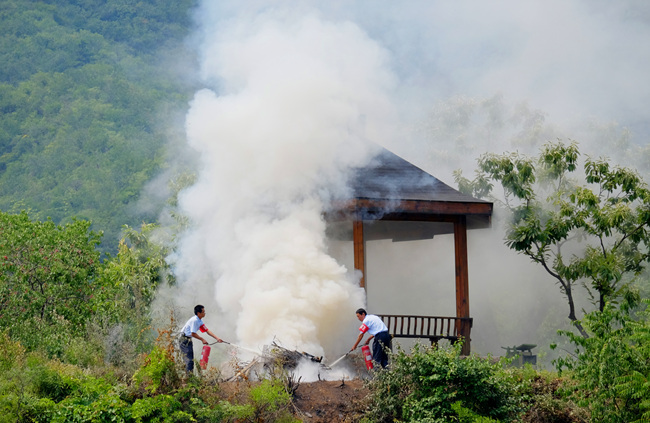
(462,280)
(359,250)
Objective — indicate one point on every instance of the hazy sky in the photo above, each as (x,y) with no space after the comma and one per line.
(565,57)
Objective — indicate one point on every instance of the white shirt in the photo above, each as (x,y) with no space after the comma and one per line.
(193,325)
(373,325)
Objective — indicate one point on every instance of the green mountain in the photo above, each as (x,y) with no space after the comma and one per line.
(84,96)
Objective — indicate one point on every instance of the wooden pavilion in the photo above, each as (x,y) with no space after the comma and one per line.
(406,203)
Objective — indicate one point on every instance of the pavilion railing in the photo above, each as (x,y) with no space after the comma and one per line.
(434,328)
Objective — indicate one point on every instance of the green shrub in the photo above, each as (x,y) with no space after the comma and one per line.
(37,410)
(63,393)
(50,379)
(83,352)
(11,352)
(9,406)
(423,385)
(224,412)
(21,407)
(466,415)
(271,402)
(45,390)
(542,398)
(159,408)
(14,384)
(611,368)
(158,371)
(92,388)
(108,407)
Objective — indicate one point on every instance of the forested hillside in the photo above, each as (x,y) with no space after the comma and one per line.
(82,97)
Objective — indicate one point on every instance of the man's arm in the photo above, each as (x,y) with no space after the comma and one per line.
(196,335)
(358,340)
(214,336)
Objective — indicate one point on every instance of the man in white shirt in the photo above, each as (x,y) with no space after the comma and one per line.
(377,329)
(191,330)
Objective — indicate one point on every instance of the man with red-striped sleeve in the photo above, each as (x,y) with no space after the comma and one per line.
(191,330)
(377,329)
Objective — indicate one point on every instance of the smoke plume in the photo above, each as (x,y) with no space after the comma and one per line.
(292,103)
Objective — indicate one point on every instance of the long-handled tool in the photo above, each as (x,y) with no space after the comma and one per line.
(340,358)
(237,346)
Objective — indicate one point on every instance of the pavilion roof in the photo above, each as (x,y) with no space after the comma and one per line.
(391,188)
(389,176)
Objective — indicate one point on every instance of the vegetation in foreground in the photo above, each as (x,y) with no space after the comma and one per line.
(77,344)
(34,388)
(427,385)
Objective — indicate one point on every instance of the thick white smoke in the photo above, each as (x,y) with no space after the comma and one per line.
(293,102)
(292,97)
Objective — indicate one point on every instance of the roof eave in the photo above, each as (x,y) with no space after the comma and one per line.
(479,212)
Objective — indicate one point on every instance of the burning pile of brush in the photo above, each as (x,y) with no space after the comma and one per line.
(288,359)
(274,357)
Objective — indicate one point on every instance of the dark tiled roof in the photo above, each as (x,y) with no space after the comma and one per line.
(390,177)
(399,200)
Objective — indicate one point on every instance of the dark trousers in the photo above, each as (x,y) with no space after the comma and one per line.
(380,345)
(187,349)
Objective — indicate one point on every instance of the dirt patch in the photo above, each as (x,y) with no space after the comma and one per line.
(330,401)
(321,401)
(313,402)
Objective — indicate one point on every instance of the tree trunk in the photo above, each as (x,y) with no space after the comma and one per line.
(572,313)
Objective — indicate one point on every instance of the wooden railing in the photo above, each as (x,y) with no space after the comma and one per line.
(434,328)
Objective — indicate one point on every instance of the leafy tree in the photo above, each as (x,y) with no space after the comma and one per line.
(593,235)
(129,282)
(132,277)
(47,280)
(54,291)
